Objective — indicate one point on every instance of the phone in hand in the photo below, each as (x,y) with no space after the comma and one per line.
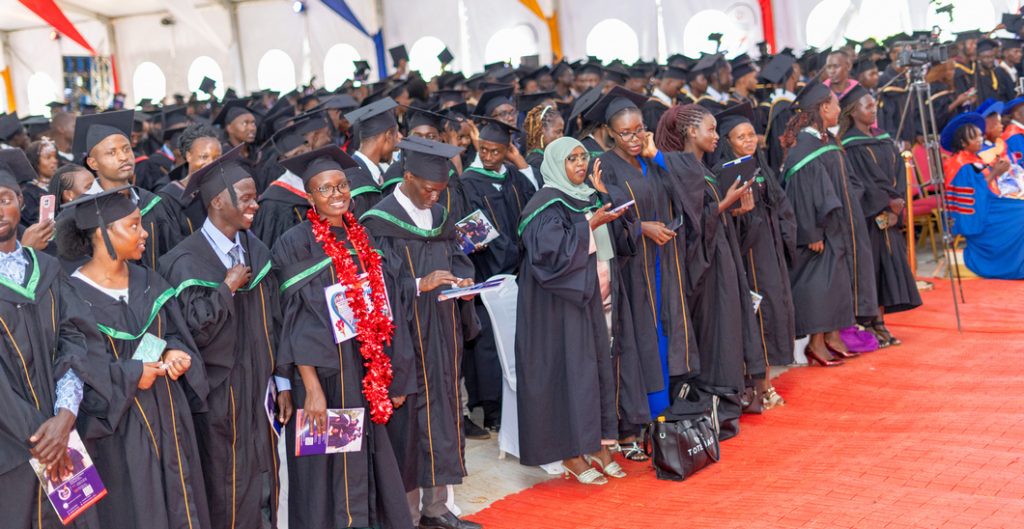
(47,207)
(676,223)
(617,209)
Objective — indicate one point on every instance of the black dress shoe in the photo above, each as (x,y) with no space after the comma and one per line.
(474,431)
(448,521)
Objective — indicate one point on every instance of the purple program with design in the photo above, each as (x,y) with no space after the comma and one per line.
(81,490)
(344,433)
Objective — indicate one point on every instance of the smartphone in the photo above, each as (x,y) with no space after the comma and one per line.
(675,224)
(47,207)
(617,209)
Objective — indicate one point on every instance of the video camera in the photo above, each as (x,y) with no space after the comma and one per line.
(925,50)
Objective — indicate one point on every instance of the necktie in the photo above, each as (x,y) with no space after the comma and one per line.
(235,254)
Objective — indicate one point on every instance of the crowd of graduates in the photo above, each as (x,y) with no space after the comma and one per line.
(673,229)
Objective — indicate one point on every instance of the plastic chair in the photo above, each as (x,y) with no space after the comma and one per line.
(501,307)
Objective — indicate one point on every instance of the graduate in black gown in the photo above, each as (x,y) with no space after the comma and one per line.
(496,188)
(143,443)
(818,185)
(378,136)
(542,125)
(767,234)
(42,155)
(199,145)
(229,297)
(422,257)
(654,278)
(669,81)
(984,76)
(50,353)
(152,173)
(284,202)
(723,316)
(239,123)
(351,489)
(102,143)
(876,161)
(782,72)
(565,384)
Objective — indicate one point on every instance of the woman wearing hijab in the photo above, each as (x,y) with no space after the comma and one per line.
(565,389)
(654,278)
(765,234)
(992,224)
(143,443)
(723,316)
(877,163)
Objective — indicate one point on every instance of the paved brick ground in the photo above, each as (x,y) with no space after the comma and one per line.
(929,434)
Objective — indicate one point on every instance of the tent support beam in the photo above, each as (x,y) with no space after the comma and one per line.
(236,42)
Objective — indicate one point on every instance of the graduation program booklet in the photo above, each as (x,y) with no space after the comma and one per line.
(490,284)
(475,231)
(270,404)
(344,433)
(79,491)
(343,320)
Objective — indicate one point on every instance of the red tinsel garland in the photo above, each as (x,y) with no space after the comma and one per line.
(373,327)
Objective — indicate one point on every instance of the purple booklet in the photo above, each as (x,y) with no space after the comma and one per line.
(270,405)
(344,433)
(78,491)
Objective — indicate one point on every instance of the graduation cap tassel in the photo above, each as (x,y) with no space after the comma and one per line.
(104,234)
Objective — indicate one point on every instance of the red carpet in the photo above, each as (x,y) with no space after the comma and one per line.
(928,434)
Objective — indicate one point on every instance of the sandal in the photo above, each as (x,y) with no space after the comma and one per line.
(613,469)
(772,399)
(589,476)
(885,339)
(633,452)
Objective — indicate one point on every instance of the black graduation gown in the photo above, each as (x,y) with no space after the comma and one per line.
(236,336)
(267,169)
(31,193)
(652,110)
(281,208)
(565,388)
(942,96)
(823,293)
(364,190)
(144,443)
(161,223)
(45,330)
(993,84)
(453,198)
(892,99)
(190,211)
(878,164)
(779,114)
(667,307)
(535,159)
(501,198)
(592,146)
(353,489)
(766,235)
(427,346)
(723,316)
(151,172)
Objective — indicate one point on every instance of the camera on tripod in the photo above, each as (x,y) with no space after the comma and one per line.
(922,51)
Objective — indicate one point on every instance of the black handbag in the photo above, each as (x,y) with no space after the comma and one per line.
(679,449)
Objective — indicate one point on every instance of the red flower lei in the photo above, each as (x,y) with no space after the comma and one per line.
(373,326)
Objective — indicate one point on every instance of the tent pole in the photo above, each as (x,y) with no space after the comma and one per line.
(6,73)
(381,24)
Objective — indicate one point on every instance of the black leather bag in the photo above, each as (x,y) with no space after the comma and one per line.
(679,449)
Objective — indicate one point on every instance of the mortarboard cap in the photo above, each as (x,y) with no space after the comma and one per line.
(174,119)
(1013,23)
(312,163)
(864,64)
(207,85)
(445,57)
(418,117)
(558,69)
(94,128)
(707,64)
(526,102)
(986,45)
(778,69)
(742,65)
(219,175)
(616,73)
(375,118)
(36,125)
(445,96)
(582,104)
(427,159)
(971,34)
(616,100)
(231,111)
(496,131)
(398,53)
(492,99)
(672,72)
(529,61)
(15,169)
(593,67)
(100,209)
(811,94)
(362,67)
(733,116)
(340,102)
(853,95)
(9,126)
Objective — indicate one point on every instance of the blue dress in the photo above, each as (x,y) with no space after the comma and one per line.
(992,225)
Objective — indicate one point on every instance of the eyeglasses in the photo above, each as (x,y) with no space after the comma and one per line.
(505,114)
(327,191)
(628,135)
(579,158)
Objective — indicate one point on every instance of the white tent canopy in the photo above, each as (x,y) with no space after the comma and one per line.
(162,47)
